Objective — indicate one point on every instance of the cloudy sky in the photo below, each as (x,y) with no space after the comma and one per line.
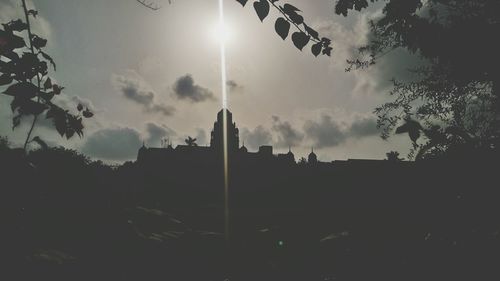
(154,74)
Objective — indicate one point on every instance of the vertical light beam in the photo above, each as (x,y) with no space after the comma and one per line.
(224,117)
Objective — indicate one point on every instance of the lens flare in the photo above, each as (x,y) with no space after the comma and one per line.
(223,34)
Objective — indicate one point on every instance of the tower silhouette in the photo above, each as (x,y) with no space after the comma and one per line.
(217,135)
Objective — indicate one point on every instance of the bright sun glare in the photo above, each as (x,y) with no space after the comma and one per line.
(221,33)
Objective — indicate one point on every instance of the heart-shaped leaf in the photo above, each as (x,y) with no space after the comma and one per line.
(262,9)
(316,49)
(300,40)
(242,2)
(282,27)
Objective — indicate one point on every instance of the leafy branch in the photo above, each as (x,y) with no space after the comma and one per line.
(20,64)
(290,16)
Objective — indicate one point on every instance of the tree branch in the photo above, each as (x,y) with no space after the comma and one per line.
(30,38)
(150,5)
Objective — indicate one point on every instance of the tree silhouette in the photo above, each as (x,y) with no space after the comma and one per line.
(191,141)
(459,88)
(25,72)
(393,156)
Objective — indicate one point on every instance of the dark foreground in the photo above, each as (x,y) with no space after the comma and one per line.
(66,218)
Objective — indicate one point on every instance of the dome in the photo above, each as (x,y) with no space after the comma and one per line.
(243,148)
(312,158)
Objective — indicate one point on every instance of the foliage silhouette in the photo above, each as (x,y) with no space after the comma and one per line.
(66,217)
(458,89)
(23,65)
(393,156)
(191,141)
(289,16)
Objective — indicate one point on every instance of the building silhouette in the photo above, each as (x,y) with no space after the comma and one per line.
(208,157)
(212,154)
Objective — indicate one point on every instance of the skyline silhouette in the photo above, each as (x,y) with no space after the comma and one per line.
(364,143)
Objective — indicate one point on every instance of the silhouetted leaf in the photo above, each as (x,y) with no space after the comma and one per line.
(40,142)
(75,125)
(16,120)
(87,113)
(287,8)
(30,107)
(13,56)
(327,51)
(49,58)
(57,89)
(300,39)
(9,42)
(33,13)
(402,129)
(16,103)
(46,96)
(313,33)
(38,42)
(282,27)
(316,49)
(5,79)
(291,12)
(411,127)
(342,6)
(15,25)
(23,90)
(242,2)
(47,84)
(69,133)
(262,9)
(60,121)
(414,135)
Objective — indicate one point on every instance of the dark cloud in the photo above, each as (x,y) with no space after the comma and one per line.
(156,133)
(133,93)
(326,132)
(233,86)
(113,144)
(186,89)
(286,134)
(364,127)
(135,89)
(256,137)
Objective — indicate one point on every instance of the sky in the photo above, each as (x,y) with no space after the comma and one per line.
(149,75)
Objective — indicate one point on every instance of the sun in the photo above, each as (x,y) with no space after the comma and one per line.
(221,33)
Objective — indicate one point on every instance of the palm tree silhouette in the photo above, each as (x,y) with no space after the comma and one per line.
(191,141)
